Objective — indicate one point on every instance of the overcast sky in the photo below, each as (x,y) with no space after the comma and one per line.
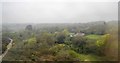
(67,11)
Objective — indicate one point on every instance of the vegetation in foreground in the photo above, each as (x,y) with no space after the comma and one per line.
(64,44)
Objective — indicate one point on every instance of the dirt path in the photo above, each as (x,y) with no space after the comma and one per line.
(8,47)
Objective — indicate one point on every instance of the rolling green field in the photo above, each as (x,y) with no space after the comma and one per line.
(85,57)
(94,37)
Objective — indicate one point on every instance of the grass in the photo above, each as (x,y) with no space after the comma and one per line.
(86,57)
(90,57)
(94,37)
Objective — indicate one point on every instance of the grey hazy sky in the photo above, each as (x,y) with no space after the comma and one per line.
(58,12)
(0,13)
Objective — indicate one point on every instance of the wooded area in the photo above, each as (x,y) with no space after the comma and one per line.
(94,41)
